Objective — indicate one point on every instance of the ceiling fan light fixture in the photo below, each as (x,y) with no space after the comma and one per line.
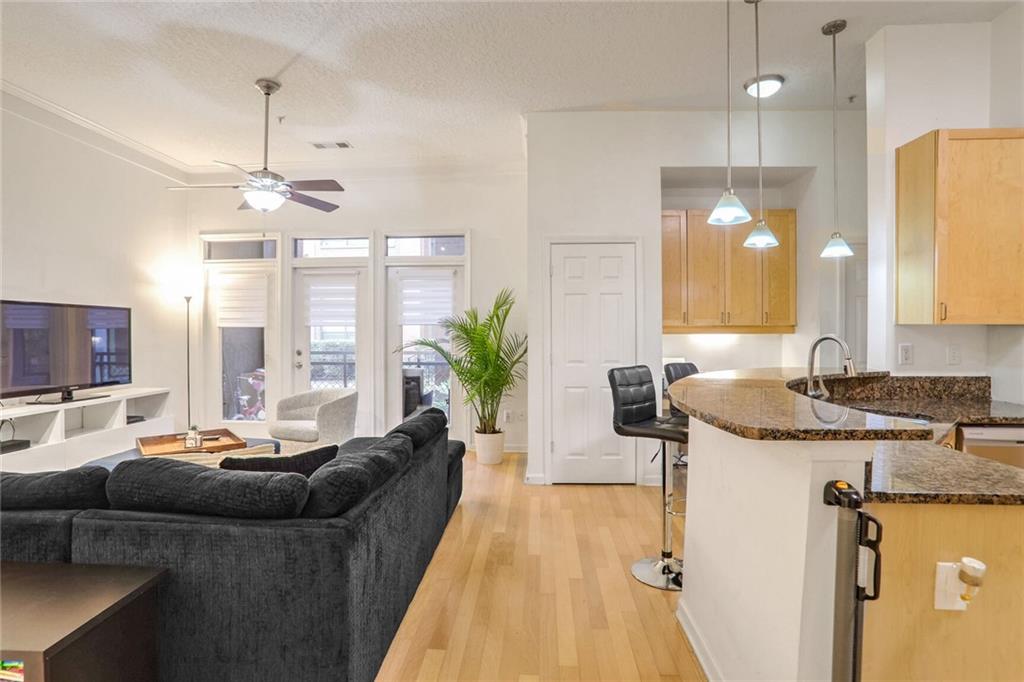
(761,237)
(771,83)
(264,200)
(729,210)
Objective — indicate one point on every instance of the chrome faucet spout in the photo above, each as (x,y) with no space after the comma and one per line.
(848,366)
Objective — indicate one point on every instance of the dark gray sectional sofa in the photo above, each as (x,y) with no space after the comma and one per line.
(267,598)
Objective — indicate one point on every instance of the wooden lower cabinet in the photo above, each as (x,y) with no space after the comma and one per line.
(712,283)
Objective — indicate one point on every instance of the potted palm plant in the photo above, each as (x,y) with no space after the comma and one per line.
(488,361)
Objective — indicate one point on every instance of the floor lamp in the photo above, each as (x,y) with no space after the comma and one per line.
(188,362)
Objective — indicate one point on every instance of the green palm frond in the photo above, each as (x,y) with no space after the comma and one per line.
(487,360)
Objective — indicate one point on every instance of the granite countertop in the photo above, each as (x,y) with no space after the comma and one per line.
(757,404)
(908,416)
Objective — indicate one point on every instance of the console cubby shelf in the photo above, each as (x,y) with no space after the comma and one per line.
(67,435)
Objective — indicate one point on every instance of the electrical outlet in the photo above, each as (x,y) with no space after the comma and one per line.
(906,354)
(521,415)
(953,356)
(507,416)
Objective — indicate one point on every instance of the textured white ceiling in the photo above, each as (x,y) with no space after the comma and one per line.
(416,83)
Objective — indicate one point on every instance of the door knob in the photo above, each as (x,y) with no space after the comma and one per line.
(298,364)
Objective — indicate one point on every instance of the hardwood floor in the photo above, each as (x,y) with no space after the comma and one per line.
(532,583)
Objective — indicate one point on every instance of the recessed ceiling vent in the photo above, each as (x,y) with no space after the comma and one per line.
(331,145)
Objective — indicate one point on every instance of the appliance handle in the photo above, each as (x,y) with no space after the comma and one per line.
(872,542)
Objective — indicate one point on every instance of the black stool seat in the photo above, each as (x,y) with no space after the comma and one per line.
(672,429)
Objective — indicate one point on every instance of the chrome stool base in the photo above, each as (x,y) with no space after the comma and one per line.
(663,574)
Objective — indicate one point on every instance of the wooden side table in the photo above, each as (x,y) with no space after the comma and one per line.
(80,622)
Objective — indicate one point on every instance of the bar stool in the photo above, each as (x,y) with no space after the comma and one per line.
(635,401)
(674,371)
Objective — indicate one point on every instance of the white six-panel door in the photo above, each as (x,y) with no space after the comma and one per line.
(593,328)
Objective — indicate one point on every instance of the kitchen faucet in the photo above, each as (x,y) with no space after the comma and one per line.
(848,367)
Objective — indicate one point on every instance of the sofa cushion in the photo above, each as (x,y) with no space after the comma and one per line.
(304,463)
(303,430)
(338,486)
(167,485)
(79,488)
(347,479)
(456,451)
(358,444)
(423,426)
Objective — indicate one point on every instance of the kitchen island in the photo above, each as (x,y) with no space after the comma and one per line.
(760,545)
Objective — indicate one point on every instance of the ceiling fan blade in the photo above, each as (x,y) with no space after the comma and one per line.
(244,206)
(205,187)
(235,166)
(312,202)
(316,185)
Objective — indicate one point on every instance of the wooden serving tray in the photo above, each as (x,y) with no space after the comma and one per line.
(174,443)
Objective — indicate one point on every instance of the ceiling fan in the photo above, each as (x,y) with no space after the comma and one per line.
(265,190)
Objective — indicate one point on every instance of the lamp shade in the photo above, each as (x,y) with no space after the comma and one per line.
(729,210)
(264,200)
(761,237)
(836,247)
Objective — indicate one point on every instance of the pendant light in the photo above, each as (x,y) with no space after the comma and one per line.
(729,210)
(837,246)
(762,236)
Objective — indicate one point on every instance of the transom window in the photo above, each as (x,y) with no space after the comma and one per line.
(332,248)
(453,245)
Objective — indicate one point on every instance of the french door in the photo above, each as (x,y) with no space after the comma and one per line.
(593,328)
(331,335)
(419,297)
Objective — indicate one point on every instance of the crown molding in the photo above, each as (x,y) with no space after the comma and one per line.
(92,126)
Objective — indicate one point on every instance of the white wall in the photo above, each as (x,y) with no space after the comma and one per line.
(86,220)
(1007,57)
(1006,344)
(599,174)
(490,206)
(920,78)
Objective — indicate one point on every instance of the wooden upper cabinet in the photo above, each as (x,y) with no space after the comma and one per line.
(960,228)
(711,282)
(778,272)
(705,288)
(673,268)
(742,278)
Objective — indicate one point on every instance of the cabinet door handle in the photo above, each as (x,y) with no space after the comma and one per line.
(721,317)
(942,311)
(684,317)
(766,317)
(728,317)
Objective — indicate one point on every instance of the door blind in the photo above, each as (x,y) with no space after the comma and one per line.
(426,298)
(240,299)
(330,300)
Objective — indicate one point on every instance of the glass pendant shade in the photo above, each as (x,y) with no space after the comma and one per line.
(729,210)
(264,200)
(836,247)
(761,237)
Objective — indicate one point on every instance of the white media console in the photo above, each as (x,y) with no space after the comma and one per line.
(66,435)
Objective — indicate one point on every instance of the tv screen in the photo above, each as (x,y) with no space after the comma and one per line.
(50,347)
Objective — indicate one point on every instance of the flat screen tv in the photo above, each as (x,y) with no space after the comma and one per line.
(62,347)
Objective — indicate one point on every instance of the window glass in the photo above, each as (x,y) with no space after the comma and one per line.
(332,248)
(244,373)
(427,246)
(257,249)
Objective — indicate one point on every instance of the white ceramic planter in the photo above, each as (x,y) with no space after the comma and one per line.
(490,447)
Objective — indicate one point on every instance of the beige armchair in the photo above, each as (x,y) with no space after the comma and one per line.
(321,416)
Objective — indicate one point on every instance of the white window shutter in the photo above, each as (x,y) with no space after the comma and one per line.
(330,300)
(426,298)
(241,299)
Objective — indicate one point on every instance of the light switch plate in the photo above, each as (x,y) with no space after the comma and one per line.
(953,355)
(947,587)
(906,356)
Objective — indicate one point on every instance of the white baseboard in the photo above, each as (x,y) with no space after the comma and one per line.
(697,643)
(651,479)
(536,479)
